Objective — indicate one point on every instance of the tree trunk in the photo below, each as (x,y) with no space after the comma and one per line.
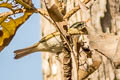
(104,17)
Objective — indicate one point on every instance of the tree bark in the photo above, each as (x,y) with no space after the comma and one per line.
(104,17)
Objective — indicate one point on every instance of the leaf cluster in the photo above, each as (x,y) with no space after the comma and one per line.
(8,25)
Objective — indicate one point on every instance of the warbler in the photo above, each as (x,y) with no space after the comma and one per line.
(50,43)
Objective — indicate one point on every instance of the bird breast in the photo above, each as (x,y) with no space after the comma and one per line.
(52,45)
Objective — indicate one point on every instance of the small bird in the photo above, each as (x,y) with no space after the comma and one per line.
(50,43)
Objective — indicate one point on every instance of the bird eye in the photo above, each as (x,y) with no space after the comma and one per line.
(81,24)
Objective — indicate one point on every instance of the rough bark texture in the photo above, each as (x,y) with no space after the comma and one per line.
(104,18)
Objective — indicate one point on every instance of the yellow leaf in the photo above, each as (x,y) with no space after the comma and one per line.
(7,5)
(2,19)
(9,29)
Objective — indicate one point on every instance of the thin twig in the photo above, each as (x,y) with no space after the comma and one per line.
(39,10)
(75,9)
(103,54)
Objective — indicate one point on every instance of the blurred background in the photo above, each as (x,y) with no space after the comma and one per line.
(29,67)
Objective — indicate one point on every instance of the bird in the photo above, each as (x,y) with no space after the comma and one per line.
(50,43)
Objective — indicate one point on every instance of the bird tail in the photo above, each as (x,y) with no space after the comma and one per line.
(23,52)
